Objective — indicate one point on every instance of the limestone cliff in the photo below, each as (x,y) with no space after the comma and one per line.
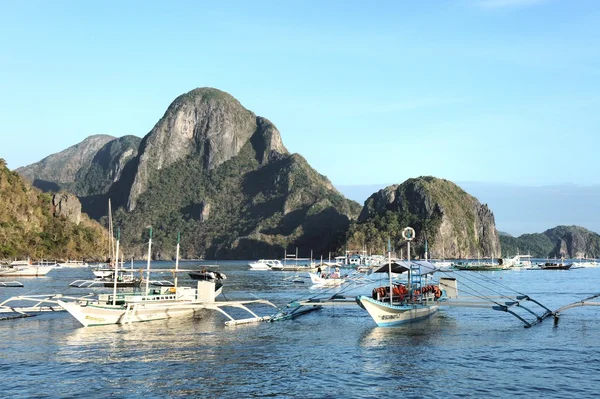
(68,206)
(107,166)
(455,224)
(206,122)
(560,241)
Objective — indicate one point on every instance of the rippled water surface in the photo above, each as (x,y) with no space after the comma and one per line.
(332,353)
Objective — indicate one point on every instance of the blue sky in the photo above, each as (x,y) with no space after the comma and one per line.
(499,91)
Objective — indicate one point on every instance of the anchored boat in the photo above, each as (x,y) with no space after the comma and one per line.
(156,304)
(404,303)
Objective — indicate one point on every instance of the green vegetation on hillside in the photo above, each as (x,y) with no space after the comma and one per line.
(28,227)
(536,244)
(99,176)
(567,241)
(423,203)
(252,211)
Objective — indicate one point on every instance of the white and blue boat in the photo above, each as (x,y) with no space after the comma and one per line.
(416,300)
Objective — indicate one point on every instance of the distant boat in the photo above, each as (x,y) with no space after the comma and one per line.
(555,266)
(288,266)
(103,272)
(319,280)
(207,275)
(264,264)
(73,263)
(583,262)
(478,266)
(25,268)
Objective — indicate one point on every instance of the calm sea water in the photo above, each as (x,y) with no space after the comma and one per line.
(332,353)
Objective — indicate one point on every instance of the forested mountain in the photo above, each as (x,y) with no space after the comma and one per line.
(41,225)
(454,223)
(560,241)
(219,174)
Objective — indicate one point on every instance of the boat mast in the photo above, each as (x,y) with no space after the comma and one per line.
(148,266)
(116,268)
(177,260)
(409,269)
(111,244)
(390,268)
(408,233)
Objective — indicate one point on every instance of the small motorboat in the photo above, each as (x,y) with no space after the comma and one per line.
(207,275)
(555,266)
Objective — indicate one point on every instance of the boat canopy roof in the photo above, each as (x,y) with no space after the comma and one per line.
(401,266)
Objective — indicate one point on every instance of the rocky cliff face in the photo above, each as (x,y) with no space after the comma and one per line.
(68,206)
(60,169)
(239,193)
(573,242)
(206,122)
(107,166)
(455,224)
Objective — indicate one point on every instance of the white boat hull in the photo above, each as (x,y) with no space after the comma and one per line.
(98,315)
(73,264)
(103,273)
(386,315)
(326,282)
(26,271)
(259,266)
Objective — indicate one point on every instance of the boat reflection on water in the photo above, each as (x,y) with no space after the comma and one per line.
(170,340)
(419,333)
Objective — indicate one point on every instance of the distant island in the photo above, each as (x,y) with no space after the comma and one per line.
(560,241)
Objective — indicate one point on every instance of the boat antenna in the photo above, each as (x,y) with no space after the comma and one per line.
(111,237)
(148,266)
(390,268)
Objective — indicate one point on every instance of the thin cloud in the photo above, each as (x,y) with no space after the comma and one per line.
(509,3)
(410,105)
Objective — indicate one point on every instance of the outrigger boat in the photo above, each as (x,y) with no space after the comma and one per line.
(417,299)
(27,269)
(156,304)
(319,280)
(400,303)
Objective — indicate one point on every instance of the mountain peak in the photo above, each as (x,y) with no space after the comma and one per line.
(207,123)
(62,167)
(454,222)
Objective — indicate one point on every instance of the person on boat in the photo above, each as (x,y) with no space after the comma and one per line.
(337,272)
(319,272)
